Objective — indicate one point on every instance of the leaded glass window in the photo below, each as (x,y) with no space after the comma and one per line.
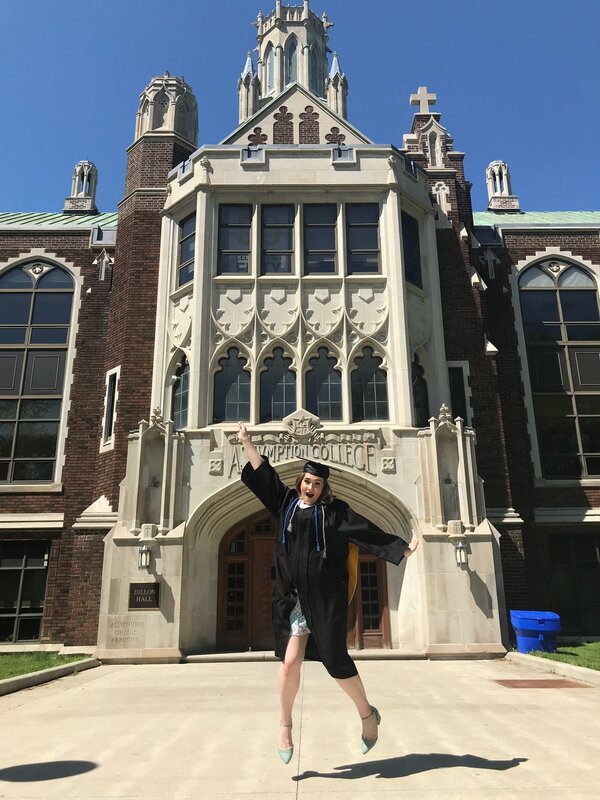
(277,238)
(369,388)
(35,316)
(180,395)
(277,388)
(324,387)
(362,237)
(235,222)
(232,389)
(411,250)
(186,248)
(319,237)
(561,323)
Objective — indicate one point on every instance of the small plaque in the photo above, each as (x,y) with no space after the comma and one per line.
(144,596)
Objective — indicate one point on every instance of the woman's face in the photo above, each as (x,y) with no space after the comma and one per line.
(311,488)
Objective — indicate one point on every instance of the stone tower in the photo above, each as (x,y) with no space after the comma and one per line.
(166,133)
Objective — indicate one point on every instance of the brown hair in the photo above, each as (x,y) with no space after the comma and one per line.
(326,494)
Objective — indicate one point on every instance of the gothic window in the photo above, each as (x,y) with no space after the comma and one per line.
(561,323)
(270,60)
(277,388)
(369,388)
(186,247)
(435,155)
(161,108)
(179,398)
(234,238)
(362,237)
(277,238)
(411,250)
(232,389)
(291,61)
(324,387)
(313,71)
(319,237)
(35,317)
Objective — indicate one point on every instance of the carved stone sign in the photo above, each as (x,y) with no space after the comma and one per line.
(361,456)
(144,596)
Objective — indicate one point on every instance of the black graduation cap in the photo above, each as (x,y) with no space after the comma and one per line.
(319,470)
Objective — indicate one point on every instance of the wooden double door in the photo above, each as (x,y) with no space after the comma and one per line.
(247,578)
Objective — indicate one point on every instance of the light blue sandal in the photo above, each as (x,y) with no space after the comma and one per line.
(286,755)
(369,744)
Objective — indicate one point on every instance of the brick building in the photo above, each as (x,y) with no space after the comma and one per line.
(340,296)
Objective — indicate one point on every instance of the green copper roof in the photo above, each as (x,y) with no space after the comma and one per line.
(45,220)
(525,218)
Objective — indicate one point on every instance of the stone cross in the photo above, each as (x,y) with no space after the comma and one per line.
(423,99)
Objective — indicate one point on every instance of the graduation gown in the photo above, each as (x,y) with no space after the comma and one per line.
(310,565)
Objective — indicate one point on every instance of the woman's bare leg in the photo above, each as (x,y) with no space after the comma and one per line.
(356,692)
(288,681)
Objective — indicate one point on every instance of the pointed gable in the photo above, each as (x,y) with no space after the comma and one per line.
(295,117)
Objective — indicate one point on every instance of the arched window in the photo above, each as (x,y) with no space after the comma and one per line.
(270,59)
(179,401)
(291,62)
(369,388)
(561,323)
(277,388)
(313,72)
(324,387)
(433,149)
(35,316)
(232,389)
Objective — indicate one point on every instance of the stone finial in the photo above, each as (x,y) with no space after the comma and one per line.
(84,183)
(500,196)
(248,67)
(422,99)
(336,89)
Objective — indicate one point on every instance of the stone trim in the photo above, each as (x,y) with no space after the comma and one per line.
(31,521)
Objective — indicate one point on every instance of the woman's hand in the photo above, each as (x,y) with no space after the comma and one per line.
(414,543)
(242,433)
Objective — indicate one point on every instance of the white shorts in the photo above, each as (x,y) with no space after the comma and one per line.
(298,622)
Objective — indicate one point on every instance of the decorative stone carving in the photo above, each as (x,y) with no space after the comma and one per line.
(322,309)
(234,308)
(279,309)
(215,466)
(335,136)
(180,329)
(257,137)
(302,425)
(388,465)
(367,308)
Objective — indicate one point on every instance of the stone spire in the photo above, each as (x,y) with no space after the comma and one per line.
(500,196)
(248,90)
(83,189)
(336,89)
(168,105)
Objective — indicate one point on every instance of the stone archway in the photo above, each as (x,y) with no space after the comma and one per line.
(222,513)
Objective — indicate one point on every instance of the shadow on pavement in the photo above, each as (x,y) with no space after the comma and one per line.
(410,764)
(45,771)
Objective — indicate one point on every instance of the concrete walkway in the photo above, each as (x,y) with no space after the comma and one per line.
(208,731)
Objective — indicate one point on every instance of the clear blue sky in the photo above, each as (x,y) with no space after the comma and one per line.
(517,80)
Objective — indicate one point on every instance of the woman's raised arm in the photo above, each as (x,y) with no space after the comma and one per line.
(252,454)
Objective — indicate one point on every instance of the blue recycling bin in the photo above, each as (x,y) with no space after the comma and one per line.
(535,630)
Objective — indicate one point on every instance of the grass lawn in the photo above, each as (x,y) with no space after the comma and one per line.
(12,664)
(583,655)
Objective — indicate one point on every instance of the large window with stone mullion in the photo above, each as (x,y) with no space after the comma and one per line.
(231,397)
(23,574)
(277,238)
(319,237)
(277,387)
(186,250)
(561,323)
(235,223)
(35,316)
(324,387)
(362,237)
(369,388)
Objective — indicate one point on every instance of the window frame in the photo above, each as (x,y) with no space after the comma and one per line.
(410,260)
(238,251)
(306,226)
(348,226)
(289,226)
(190,263)
(109,415)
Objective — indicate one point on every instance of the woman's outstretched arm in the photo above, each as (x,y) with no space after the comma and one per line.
(252,454)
